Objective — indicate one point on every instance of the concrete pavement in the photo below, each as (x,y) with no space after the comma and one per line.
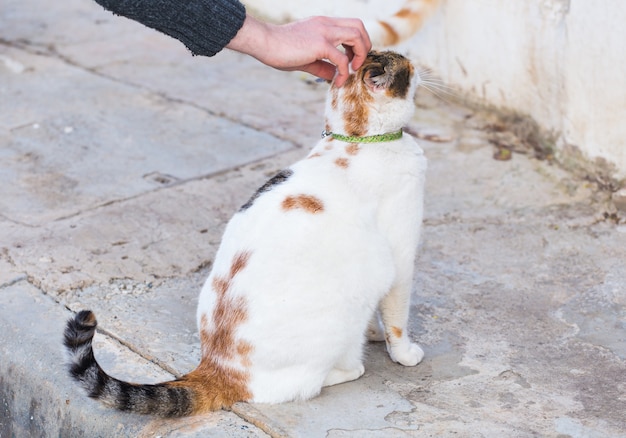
(121,159)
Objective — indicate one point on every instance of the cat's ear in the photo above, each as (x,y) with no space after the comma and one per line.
(377,76)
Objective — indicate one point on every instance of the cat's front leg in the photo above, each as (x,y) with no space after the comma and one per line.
(394,309)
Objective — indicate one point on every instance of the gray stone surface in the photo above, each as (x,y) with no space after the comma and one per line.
(38,399)
(121,159)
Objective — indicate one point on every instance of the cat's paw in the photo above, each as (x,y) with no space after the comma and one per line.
(337,376)
(408,354)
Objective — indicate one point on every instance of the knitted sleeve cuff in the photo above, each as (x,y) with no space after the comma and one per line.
(204,26)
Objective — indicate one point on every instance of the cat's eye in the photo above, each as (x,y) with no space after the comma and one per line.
(376,71)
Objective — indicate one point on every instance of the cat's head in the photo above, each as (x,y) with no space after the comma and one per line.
(376,98)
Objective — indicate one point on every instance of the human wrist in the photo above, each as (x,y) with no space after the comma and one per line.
(252,38)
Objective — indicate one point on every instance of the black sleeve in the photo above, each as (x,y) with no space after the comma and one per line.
(204,26)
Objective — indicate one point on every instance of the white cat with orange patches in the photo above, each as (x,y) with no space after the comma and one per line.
(306,267)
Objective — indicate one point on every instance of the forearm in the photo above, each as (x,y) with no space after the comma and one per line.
(204,26)
(253,38)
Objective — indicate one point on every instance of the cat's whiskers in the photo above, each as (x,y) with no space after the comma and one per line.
(435,85)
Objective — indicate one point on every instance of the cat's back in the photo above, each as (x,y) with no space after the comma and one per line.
(320,211)
(336,182)
(293,234)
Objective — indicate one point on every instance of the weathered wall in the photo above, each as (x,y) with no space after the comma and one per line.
(563,62)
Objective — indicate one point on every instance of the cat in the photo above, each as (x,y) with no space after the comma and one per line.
(384,29)
(316,259)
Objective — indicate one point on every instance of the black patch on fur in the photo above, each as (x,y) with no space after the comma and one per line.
(180,402)
(101,382)
(391,63)
(123,398)
(401,82)
(78,331)
(77,370)
(277,179)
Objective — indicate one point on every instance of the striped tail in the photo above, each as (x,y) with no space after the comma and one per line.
(169,399)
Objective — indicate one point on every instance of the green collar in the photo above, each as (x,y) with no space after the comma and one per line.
(380,138)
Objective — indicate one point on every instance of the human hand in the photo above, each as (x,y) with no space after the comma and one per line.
(309,45)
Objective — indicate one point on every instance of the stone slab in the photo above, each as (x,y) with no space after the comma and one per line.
(38,398)
(170,232)
(103,141)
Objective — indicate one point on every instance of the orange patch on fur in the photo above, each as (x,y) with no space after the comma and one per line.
(334,98)
(352,149)
(391,36)
(404,13)
(355,111)
(342,162)
(415,17)
(220,285)
(397,332)
(315,155)
(243,350)
(308,203)
(239,262)
(215,384)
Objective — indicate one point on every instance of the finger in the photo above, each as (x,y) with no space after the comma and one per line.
(358,53)
(340,80)
(348,51)
(321,69)
(342,63)
(359,40)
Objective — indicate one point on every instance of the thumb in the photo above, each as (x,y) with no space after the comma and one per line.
(321,69)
